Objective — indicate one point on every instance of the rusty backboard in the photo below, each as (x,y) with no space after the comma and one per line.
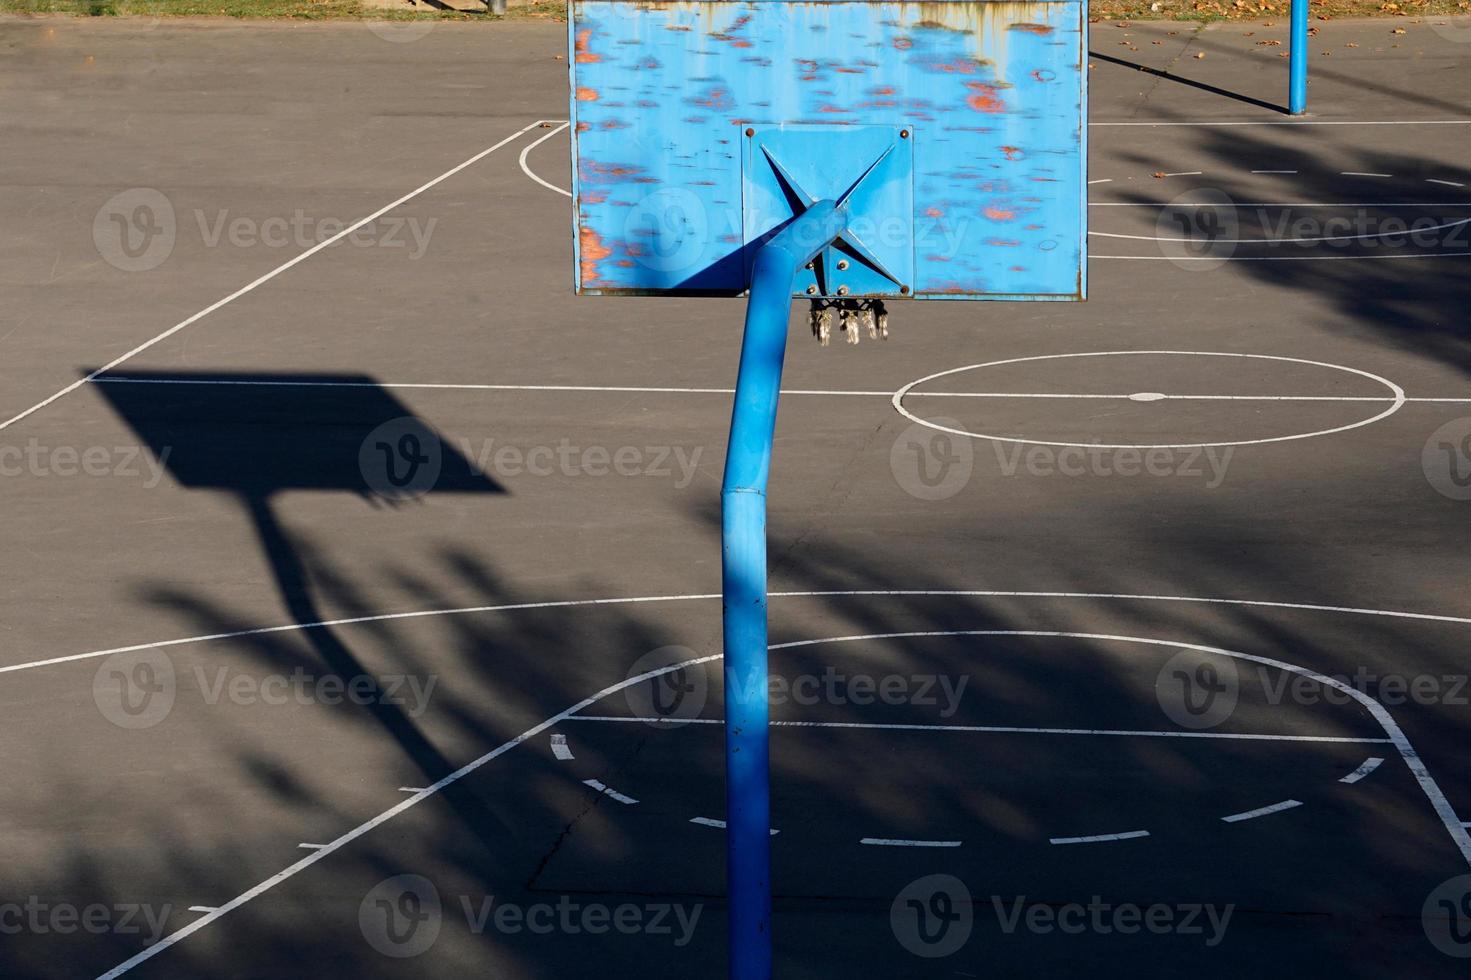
(989,98)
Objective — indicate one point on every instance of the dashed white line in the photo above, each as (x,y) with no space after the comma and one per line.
(289,263)
(717,824)
(411,789)
(203,908)
(1274,171)
(986,729)
(1098,838)
(894,842)
(1102,180)
(608,791)
(1351,173)
(1185,173)
(560,748)
(1447,183)
(311,847)
(1368,766)
(1262,811)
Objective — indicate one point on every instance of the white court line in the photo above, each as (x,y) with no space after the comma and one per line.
(526,168)
(987,729)
(203,908)
(1288,204)
(607,790)
(1448,183)
(1274,171)
(560,749)
(1186,173)
(1305,122)
(115,362)
(833,392)
(1351,173)
(897,842)
(1427,783)
(1127,835)
(311,847)
(167,941)
(717,824)
(1102,180)
(1368,766)
(1262,811)
(1278,241)
(1279,258)
(411,789)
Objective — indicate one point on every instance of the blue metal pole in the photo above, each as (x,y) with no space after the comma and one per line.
(743,545)
(1297,89)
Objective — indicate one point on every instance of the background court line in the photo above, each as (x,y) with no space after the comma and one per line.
(265,278)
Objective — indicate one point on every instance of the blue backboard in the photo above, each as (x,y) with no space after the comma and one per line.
(701,127)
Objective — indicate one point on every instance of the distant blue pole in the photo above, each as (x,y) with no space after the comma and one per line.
(1297,90)
(743,544)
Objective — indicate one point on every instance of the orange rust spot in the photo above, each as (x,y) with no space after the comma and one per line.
(998,214)
(583,127)
(613,124)
(960,66)
(585,94)
(594,197)
(584,56)
(832,110)
(903,43)
(1018,268)
(1012,152)
(593,251)
(933,213)
(1040,29)
(984,97)
(937,258)
(1002,242)
(883,90)
(624,263)
(678,27)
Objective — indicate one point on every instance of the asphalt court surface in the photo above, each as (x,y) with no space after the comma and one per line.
(1012,658)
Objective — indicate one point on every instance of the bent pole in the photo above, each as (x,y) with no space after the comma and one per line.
(743,546)
(1297,53)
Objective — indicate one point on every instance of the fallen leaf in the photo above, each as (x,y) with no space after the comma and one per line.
(1199,55)
(1158,174)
